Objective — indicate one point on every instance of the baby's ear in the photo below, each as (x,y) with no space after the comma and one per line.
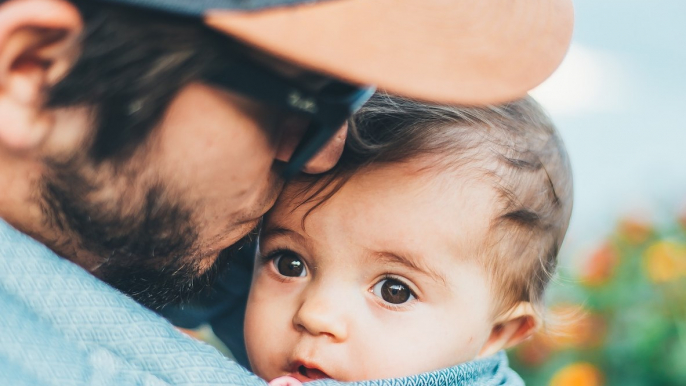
(511,329)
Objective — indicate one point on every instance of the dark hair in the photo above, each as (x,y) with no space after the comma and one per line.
(514,146)
(131,65)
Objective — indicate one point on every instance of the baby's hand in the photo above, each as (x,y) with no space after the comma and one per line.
(285,381)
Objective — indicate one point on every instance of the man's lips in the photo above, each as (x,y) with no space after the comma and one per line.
(307,373)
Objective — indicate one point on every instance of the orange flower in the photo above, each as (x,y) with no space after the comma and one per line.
(578,374)
(665,261)
(635,231)
(600,265)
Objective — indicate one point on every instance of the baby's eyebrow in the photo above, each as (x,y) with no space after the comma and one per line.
(277,230)
(411,263)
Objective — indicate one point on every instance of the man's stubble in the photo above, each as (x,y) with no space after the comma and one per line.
(149,249)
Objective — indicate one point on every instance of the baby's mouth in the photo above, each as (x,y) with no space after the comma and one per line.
(307,374)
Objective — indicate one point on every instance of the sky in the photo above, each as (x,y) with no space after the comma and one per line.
(619,101)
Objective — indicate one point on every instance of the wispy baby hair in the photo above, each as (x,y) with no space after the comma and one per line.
(512,146)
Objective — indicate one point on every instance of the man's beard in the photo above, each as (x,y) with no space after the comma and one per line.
(150,254)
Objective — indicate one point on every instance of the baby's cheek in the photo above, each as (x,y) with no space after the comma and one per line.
(387,352)
(266,329)
(406,349)
(259,344)
(256,333)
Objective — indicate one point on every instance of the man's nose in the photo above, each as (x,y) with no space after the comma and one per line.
(322,313)
(324,160)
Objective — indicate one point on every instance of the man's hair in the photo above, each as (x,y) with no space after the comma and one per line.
(512,146)
(131,65)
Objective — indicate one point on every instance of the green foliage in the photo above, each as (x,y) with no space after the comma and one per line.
(629,298)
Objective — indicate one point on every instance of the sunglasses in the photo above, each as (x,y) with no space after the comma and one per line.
(327,106)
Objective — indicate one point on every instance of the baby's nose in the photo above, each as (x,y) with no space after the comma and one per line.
(322,315)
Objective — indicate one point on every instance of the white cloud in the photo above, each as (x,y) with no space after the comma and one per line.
(588,80)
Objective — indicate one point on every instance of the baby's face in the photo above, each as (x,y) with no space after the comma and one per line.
(383,280)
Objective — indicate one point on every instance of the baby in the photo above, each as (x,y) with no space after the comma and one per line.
(429,245)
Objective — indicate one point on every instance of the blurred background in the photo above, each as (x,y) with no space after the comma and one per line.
(618,305)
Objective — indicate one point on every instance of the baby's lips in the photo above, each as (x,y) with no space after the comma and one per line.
(285,381)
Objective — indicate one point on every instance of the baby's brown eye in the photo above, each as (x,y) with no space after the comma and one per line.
(393,291)
(289,264)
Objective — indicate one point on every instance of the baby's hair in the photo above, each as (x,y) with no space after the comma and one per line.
(513,146)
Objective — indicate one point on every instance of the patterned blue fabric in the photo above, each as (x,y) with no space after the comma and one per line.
(61,326)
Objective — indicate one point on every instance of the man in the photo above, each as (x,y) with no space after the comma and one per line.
(142,140)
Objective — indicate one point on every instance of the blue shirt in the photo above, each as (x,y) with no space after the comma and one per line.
(59,325)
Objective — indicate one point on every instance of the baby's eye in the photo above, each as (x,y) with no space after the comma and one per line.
(289,264)
(393,291)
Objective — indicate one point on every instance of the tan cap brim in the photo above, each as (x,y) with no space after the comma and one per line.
(451,51)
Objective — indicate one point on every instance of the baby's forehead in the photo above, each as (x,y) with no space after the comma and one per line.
(374,181)
(403,198)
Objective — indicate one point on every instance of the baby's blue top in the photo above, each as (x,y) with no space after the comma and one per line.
(60,325)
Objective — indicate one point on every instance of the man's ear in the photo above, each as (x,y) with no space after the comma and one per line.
(38,45)
(511,329)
